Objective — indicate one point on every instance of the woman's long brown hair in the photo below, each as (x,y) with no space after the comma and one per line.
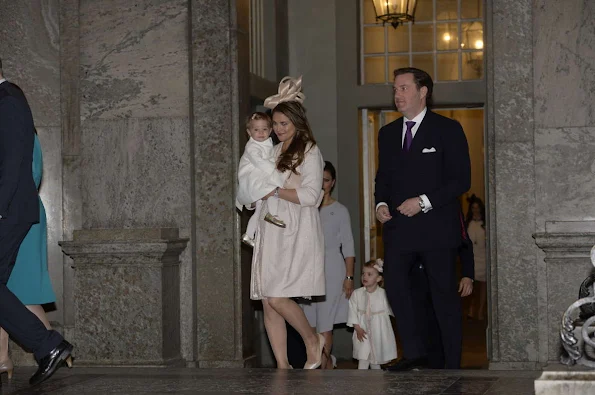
(294,155)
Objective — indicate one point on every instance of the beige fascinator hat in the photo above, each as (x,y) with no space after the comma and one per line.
(290,89)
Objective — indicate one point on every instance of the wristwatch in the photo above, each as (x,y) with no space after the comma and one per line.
(421,203)
(277,192)
(349,278)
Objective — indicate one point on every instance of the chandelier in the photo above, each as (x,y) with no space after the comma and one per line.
(395,12)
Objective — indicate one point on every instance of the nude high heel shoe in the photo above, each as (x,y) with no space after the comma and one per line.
(316,364)
(6,366)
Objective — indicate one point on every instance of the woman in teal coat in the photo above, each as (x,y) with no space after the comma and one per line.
(30,279)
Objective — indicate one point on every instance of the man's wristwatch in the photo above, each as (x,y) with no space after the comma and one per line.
(421,203)
(277,192)
(349,278)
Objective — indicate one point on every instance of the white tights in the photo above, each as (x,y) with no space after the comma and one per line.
(363,364)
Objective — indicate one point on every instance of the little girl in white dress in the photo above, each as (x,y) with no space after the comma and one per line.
(373,337)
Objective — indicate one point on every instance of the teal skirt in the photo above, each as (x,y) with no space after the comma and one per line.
(30,279)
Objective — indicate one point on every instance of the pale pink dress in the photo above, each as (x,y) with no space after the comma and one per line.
(290,262)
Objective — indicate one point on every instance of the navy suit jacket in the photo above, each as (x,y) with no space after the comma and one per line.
(18,194)
(442,176)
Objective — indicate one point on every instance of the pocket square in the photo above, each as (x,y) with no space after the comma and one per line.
(428,150)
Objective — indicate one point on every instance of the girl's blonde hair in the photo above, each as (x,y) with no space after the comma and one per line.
(258,116)
(378,265)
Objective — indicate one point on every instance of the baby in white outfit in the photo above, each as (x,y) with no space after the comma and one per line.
(258,175)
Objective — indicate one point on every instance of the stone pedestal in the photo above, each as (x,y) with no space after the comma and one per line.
(565,383)
(567,246)
(126,295)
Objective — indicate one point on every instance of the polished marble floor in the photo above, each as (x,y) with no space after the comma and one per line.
(269,381)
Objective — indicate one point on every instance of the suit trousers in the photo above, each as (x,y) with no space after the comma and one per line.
(411,309)
(20,323)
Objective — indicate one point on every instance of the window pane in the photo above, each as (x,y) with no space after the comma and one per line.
(396,62)
(471,9)
(447,36)
(374,39)
(472,35)
(423,37)
(448,66)
(472,65)
(446,9)
(424,11)
(424,62)
(369,14)
(392,116)
(374,70)
(398,39)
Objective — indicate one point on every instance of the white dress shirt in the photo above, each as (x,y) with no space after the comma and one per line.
(417,119)
(2,80)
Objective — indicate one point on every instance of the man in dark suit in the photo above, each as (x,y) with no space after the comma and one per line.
(423,168)
(19,209)
(429,326)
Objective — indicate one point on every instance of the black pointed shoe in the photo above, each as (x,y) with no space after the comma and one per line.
(51,362)
(408,364)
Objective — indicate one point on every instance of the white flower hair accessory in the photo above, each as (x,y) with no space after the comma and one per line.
(379,265)
(290,89)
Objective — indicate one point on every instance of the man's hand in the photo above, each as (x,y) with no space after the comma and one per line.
(465,287)
(410,207)
(361,334)
(382,214)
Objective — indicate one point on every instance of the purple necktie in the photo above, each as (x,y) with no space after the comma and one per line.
(408,135)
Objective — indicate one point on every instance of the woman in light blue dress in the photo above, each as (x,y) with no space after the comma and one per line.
(339,260)
(30,279)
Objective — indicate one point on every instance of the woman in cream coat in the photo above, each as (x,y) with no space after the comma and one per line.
(289,262)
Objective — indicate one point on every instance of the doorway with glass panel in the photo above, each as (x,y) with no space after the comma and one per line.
(472,120)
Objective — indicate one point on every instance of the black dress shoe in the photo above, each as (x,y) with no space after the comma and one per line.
(408,364)
(51,362)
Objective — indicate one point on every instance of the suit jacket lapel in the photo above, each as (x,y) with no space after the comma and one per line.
(399,135)
(422,132)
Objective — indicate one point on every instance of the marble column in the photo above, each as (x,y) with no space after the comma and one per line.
(71,143)
(220,100)
(514,277)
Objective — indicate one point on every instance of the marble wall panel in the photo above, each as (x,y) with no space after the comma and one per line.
(512,48)
(29,49)
(564,63)
(136,173)
(564,168)
(516,279)
(134,58)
